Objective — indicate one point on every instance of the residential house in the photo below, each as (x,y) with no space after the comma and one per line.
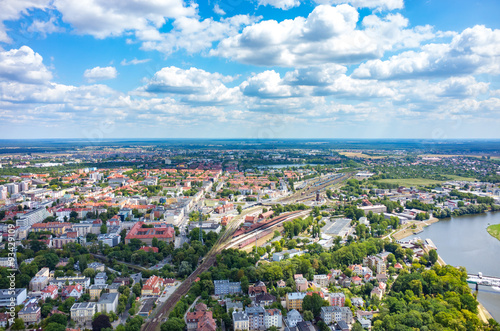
(365,323)
(31,313)
(321,280)
(4,320)
(330,314)
(264,299)
(255,317)
(200,319)
(337,299)
(100,278)
(301,284)
(240,321)
(357,301)
(72,291)
(305,326)
(257,288)
(96,290)
(50,291)
(292,318)
(346,315)
(274,318)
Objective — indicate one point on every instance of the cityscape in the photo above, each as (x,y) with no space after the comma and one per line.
(237,235)
(229,165)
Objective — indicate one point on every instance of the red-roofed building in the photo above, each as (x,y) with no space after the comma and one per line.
(161,231)
(74,291)
(149,249)
(153,286)
(50,292)
(201,319)
(224,208)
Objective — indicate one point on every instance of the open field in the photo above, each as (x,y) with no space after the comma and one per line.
(494,157)
(467,179)
(410,181)
(494,230)
(361,155)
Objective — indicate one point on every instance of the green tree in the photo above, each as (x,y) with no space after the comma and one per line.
(89,272)
(18,324)
(357,327)
(173,324)
(54,327)
(433,256)
(244,284)
(239,209)
(313,303)
(308,315)
(101,322)
(58,318)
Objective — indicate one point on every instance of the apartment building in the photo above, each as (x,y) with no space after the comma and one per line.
(294,300)
(225,287)
(108,303)
(83,312)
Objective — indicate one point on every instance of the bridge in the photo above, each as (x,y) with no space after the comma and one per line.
(479,279)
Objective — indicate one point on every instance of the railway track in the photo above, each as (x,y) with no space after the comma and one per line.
(154,322)
(309,192)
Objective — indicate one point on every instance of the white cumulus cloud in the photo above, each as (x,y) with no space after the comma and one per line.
(104,18)
(282,4)
(374,4)
(474,51)
(100,73)
(23,65)
(328,35)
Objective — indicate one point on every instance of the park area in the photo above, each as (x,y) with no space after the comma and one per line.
(494,230)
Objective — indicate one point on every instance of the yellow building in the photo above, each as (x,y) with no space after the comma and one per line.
(294,300)
(95,291)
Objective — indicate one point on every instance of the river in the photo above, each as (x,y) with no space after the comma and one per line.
(464,241)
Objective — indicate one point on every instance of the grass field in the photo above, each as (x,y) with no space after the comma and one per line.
(493,157)
(455,177)
(494,230)
(411,181)
(361,155)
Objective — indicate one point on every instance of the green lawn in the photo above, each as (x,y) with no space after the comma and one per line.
(455,177)
(411,181)
(494,230)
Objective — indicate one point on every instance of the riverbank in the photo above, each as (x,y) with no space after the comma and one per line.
(494,230)
(407,229)
(483,314)
(462,241)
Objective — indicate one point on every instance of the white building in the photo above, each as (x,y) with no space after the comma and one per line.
(273,317)
(240,321)
(32,217)
(108,303)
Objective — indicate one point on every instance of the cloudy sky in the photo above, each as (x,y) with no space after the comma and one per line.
(98,69)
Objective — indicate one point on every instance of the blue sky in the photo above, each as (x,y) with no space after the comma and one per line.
(99,69)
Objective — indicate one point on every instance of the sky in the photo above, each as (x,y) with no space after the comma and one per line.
(98,69)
